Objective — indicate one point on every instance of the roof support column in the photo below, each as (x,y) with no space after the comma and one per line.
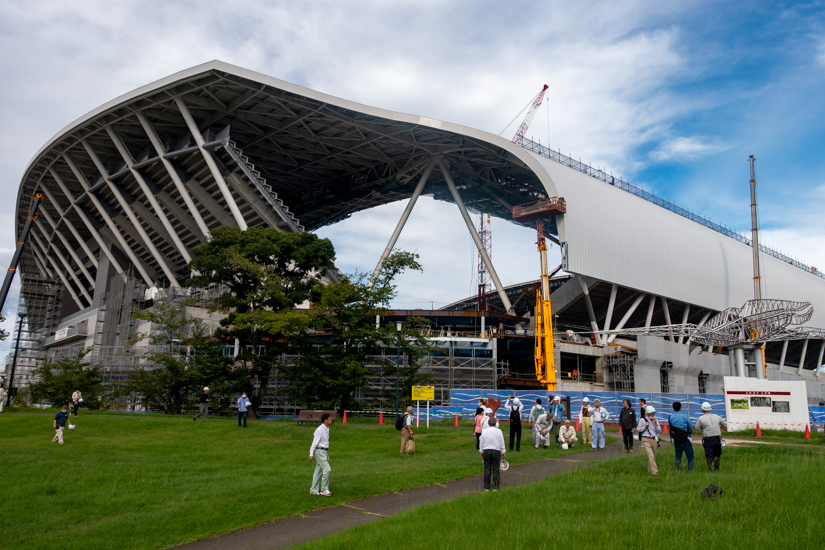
(109,222)
(173,174)
(210,162)
(667,317)
(802,358)
(70,225)
(626,317)
(71,250)
(65,263)
(89,225)
(401,222)
(685,316)
(127,158)
(610,305)
(650,307)
(60,274)
(150,246)
(782,357)
(505,301)
(590,313)
(819,361)
(41,262)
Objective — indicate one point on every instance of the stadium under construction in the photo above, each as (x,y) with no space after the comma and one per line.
(130,188)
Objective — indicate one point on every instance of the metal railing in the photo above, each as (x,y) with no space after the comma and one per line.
(664,203)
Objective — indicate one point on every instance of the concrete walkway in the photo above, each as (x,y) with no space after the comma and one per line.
(284,533)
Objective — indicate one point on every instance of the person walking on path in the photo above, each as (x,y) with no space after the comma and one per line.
(59,422)
(649,430)
(600,414)
(515,421)
(584,421)
(557,413)
(642,413)
(567,434)
(535,413)
(77,399)
(2,396)
(320,451)
(543,426)
(710,425)
(477,426)
(203,405)
(492,451)
(627,420)
(243,403)
(406,431)
(680,430)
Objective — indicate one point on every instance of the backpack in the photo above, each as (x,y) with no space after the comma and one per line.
(399,422)
(537,413)
(515,415)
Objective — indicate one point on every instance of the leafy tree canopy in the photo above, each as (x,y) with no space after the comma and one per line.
(59,379)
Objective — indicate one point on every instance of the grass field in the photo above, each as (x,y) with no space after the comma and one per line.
(153,481)
(772,499)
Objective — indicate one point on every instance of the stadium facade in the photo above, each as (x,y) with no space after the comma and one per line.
(130,188)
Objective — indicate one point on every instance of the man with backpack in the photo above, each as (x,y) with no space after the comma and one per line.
(515,421)
(556,412)
(404,423)
(680,430)
(535,413)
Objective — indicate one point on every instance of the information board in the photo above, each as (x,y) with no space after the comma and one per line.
(423,393)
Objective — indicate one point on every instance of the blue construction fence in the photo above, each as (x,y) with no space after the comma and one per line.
(464,403)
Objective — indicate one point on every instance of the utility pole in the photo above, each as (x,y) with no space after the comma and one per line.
(397,364)
(14,361)
(757,291)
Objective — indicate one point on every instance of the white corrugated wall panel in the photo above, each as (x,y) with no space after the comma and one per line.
(617,237)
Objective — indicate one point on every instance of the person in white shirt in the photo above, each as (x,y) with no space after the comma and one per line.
(567,434)
(77,399)
(515,421)
(649,431)
(600,414)
(542,426)
(492,451)
(406,431)
(320,450)
(485,422)
(535,412)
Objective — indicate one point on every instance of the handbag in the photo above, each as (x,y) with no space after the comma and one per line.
(410,447)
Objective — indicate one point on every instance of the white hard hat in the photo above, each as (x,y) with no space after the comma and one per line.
(564,446)
(557,398)
(706,406)
(516,401)
(488,410)
(206,389)
(650,410)
(585,400)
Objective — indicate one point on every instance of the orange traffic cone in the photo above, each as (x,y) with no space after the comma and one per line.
(456,420)
(758,430)
(380,417)
(664,426)
(807,432)
(619,426)
(345,417)
(577,425)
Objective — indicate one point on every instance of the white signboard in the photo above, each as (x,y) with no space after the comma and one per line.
(60,334)
(775,404)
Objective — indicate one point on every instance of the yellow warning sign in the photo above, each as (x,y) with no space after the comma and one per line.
(423,393)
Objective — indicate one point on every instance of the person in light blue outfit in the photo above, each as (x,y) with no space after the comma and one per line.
(556,412)
(680,430)
(600,414)
(243,403)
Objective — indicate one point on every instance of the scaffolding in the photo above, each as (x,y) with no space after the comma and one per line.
(40,301)
(621,366)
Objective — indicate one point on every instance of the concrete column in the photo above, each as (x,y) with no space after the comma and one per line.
(760,363)
(784,352)
(741,368)
(802,358)
(819,361)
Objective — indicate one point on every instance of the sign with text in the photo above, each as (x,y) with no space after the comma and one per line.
(423,393)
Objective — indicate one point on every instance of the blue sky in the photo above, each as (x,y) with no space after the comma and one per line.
(671,96)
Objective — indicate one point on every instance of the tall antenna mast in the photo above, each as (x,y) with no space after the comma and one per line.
(757,292)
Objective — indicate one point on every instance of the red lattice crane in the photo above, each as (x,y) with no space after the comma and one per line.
(530,115)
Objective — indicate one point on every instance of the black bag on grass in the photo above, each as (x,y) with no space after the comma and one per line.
(712,491)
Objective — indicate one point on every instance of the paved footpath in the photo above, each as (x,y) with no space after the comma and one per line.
(284,533)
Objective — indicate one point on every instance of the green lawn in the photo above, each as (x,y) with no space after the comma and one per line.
(154,481)
(772,499)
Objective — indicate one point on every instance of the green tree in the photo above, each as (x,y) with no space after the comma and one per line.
(343,339)
(59,379)
(267,274)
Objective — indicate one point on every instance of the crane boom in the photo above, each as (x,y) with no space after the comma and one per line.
(529,117)
(21,245)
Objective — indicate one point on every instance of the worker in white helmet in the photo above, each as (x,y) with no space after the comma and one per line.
(584,420)
(203,405)
(649,429)
(711,427)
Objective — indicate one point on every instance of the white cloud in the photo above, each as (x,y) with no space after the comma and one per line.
(686,148)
